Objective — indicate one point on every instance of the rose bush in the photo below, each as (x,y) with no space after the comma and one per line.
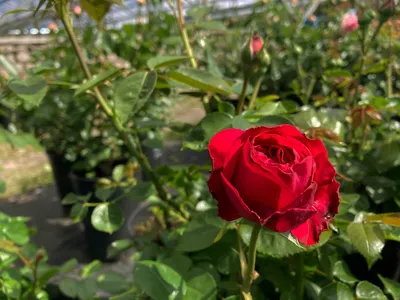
(274,176)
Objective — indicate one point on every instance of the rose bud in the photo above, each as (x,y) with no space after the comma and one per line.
(52,26)
(276,177)
(387,10)
(255,57)
(316,132)
(349,22)
(77,10)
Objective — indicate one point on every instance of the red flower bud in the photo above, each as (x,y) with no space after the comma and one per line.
(256,44)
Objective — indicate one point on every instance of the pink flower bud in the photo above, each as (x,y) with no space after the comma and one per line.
(52,26)
(77,10)
(256,44)
(349,22)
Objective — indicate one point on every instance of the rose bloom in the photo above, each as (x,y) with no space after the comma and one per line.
(349,22)
(276,177)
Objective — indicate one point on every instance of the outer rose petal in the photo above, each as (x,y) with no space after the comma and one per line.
(237,202)
(326,203)
(289,220)
(225,209)
(220,145)
(327,199)
(308,233)
(325,172)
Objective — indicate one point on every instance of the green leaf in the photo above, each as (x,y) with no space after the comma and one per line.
(336,291)
(107,217)
(342,271)
(201,285)
(129,295)
(368,291)
(87,289)
(8,66)
(72,198)
(141,191)
(118,173)
(69,287)
(91,268)
(240,123)
(132,92)
(96,80)
(376,68)
(159,281)
(69,265)
(113,282)
(16,231)
(277,108)
(202,80)
(32,89)
(96,9)
(11,288)
(211,25)
(199,136)
(197,236)
(391,287)
(270,243)
(273,121)
(78,212)
(118,247)
(368,239)
(226,107)
(179,262)
(165,61)
(198,12)
(104,193)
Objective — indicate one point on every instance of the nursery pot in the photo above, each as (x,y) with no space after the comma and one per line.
(61,169)
(98,241)
(172,154)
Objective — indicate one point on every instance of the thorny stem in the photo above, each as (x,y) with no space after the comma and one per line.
(132,145)
(255,92)
(251,263)
(242,96)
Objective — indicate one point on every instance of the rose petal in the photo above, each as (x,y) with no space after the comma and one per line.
(327,199)
(324,171)
(309,232)
(236,200)
(220,145)
(292,218)
(263,192)
(225,209)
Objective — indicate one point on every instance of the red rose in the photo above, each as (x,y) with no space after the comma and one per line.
(274,176)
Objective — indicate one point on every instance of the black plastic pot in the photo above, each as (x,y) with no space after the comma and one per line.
(172,154)
(61,169)
(98,241)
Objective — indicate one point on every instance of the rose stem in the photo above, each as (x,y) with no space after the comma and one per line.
(242,96)
(251,262)
(242,255)
(255,93)
(300,277)
(132,145)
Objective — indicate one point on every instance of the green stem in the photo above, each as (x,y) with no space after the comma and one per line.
(242,256)
(310,89)
(242,96)
(133,147)
(251,262)
(300,277)
(255,93)
(364,51)
(185,37)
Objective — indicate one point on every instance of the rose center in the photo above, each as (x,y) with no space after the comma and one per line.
(278,154)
